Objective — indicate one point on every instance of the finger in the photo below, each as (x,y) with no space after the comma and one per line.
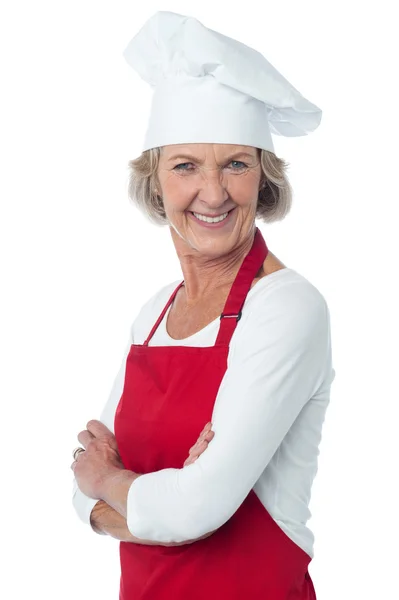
(206,436)
(196,451)
(199,448)
(205,430)
(207,427)
(194,446)
(98,429)
(203,433)
(202,447)
(85,438)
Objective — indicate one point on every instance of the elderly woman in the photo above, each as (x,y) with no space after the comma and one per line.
(239,351)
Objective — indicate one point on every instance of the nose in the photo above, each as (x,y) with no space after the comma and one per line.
(213,192)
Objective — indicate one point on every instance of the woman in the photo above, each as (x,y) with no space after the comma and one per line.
(240,350)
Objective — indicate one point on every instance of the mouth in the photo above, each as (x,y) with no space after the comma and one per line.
(218,224)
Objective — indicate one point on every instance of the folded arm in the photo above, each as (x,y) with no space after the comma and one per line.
(277,363)
(102,517)
(105,520)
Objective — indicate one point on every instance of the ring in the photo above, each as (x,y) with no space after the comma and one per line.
(76,452)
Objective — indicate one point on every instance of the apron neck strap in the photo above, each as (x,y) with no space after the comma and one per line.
(242,284)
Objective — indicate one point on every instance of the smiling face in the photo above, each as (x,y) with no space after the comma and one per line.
(210,180)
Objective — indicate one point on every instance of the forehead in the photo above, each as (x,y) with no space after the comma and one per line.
(207,150)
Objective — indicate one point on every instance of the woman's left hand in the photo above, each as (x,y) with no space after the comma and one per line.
(100,461)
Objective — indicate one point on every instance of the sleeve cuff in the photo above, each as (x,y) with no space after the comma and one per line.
(82,504)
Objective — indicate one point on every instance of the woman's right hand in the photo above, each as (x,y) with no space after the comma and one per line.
(201,444)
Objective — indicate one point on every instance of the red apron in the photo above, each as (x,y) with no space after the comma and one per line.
(168,397)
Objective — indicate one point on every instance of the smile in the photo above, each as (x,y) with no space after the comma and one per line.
(213,223)
(210,219)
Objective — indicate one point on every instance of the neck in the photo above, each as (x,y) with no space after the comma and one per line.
(205,273)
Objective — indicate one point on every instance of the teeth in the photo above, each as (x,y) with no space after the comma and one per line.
(209,219)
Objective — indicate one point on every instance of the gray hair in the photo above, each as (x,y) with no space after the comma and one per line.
(274,199)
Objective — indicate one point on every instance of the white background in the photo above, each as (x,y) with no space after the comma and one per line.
(78,261)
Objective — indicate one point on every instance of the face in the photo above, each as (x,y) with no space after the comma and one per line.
(211,180)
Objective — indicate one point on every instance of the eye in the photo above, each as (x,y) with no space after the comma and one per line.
(238,168)
(178,167)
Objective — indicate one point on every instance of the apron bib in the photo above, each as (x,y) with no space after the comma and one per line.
(168,397)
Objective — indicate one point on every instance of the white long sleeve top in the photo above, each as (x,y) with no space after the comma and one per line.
(267,418)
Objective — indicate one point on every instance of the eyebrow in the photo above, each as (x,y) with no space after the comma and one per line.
(196,159)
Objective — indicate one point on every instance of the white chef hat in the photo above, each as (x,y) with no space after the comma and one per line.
(209,88)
